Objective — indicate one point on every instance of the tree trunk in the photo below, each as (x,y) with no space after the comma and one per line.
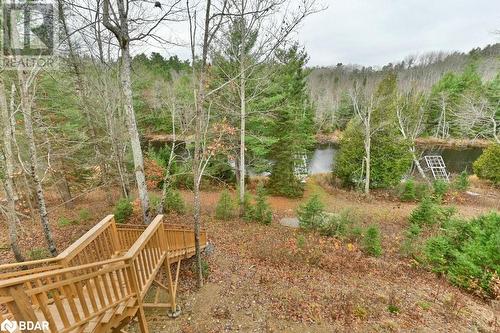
(64,190)
(367,165)
(8,181)
(134,134)
(417,163)
(197,169)
(242,136)
(197,229)
(81,91)
(26,100)
(368,146)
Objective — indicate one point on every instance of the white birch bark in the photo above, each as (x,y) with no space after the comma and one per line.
(26,99)
(8,179)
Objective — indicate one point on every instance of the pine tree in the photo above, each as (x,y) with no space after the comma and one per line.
(225,207)
(293,125)
(262,211)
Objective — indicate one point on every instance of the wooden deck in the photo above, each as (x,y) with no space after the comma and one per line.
(102,281)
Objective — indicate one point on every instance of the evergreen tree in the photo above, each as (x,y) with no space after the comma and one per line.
(262,212)
(225,208)
(293,122)
(390,158)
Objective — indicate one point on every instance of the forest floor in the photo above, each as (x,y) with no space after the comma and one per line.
(263,279)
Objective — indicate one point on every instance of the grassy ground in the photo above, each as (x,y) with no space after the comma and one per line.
(277,279)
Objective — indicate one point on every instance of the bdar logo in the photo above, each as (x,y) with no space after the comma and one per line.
(8,326)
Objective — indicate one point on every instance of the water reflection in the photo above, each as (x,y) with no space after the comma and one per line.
(456,159)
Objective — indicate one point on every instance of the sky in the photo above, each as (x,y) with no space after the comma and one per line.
(376,32)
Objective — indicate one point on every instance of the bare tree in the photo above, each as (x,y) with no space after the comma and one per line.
(212,20)
(131,21)
(410,115)
(443,127)
(7,178)
(26,86)
(364,109)
(477,117)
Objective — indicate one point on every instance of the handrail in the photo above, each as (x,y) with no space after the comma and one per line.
(66,258)
(147,255)
(145,236)
(86,239)
(29,263)
(74,295)
(77,293)
(8,271)
(23,279)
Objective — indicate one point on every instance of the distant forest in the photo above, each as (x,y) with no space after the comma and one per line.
(456,80)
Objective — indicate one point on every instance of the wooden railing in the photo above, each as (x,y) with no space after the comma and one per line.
(128,234)
(148,254)
(67,298)
(17,269)
(97,244)
(71,293)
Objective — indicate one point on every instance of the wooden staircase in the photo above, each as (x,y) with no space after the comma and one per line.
(102,281)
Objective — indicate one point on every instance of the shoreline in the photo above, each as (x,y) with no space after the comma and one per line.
(335,137)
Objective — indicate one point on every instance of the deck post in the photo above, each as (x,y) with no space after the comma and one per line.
(174,311)
(117,247)
(143,325)
(21,307)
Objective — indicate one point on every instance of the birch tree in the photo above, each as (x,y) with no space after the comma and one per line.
(131,21)
(479,118)
(7,173)
(364,112)
(27,89)
(410,115)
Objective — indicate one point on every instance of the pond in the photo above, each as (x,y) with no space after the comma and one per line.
(456,159)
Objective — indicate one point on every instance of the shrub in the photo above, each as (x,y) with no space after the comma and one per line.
(423,213)
(225,208)
(300,241)
(64,222)
(84,214)
(487,166)
(394,309)
(123,210)
(311,214)
(462,183)
(430,213)
(246,204)
(440,188)
(174,202)
(154,202)
(409,192)
(283,180)
(340,225)
(467,252)
(411,237)
(38,253)
(262,211)
(390,158)
(422,190)
(371,241)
